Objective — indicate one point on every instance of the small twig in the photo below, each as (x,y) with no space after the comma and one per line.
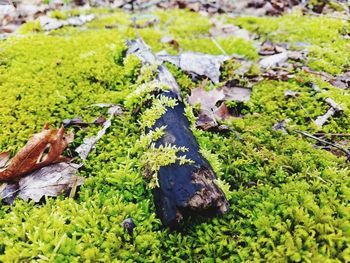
(329,16)
(325,142)
(321,74)
(136,29)
(303,108)
(236,134)
(333,134)
(218,46)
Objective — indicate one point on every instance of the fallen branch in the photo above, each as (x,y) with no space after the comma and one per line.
(188,187)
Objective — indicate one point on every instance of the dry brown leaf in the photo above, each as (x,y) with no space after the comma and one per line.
(222,112)
(42,149)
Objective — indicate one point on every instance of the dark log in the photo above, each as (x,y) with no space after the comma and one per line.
(184,189)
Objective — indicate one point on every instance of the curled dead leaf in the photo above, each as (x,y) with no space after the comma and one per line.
(42,149)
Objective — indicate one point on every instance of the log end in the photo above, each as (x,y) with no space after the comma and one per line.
(209,196)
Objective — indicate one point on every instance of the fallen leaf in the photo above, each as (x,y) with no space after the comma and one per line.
(273,7)
(237,93)
(48,24)
(8,192)
(9,28)
(274,60)
(207,99)
(278,74)
(209,111)
(206,122)
(198,63)
(222,112)
(341,82)
(51,180)
(268,48)
(229,30)
(80,20)
(211,7)
(33,155)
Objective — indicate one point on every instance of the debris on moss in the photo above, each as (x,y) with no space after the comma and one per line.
(289,198)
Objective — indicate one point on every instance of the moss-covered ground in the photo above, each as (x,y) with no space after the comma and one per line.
(289,200)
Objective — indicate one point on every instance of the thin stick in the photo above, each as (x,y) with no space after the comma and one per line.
(325,142)
(218,46)
(321,74)
(303,108)
(333,134)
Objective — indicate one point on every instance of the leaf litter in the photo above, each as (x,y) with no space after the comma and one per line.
(209,112)
(197,63)
(41,150)
(39,169)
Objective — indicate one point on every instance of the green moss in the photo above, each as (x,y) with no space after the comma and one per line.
(322,35)
(289,200)
(58,14)
(229,45)
(116,19)
(50,78)
(299,110)
(30,27)
(182,23)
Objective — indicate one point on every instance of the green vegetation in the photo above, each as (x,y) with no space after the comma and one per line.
(289,200)
(323,36)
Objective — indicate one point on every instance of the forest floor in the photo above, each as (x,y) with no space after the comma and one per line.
(289,193)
